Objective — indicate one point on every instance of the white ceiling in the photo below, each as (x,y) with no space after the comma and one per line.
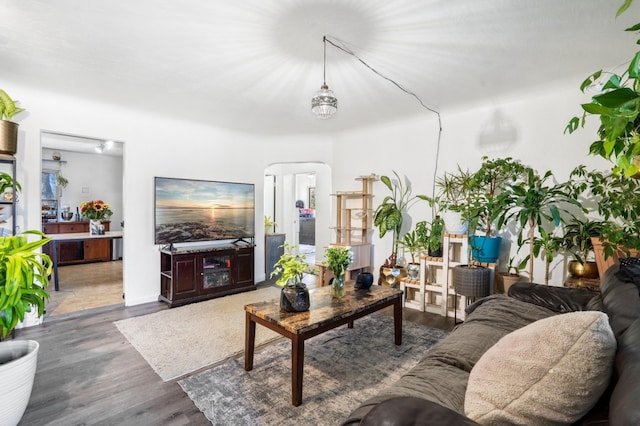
(253,65)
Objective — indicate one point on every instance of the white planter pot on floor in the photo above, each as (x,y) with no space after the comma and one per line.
(18,361)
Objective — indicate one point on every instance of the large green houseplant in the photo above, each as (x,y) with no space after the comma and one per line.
(389,215)
(615,197)
(8,129)
(24,275)
(534,202)
(487,201)
(617,105)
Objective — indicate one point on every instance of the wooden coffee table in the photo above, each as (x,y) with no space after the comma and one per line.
(325,314)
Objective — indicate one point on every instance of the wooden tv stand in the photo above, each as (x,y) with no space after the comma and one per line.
(193,274)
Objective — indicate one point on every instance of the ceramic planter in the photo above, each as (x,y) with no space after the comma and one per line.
(18,361)
(485,249)
(583,270)
(453,223)
(8,137)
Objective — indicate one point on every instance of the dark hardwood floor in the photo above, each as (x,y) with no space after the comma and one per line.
(88,373)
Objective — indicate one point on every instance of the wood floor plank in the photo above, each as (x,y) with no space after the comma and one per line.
(88,373)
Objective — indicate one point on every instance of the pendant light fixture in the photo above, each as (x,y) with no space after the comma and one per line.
(323,103)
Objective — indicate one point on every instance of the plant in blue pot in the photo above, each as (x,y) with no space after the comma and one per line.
(487,201)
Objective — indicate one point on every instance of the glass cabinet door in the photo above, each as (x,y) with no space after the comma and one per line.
(216,271)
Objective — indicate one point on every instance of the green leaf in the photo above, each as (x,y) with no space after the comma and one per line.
(616,98)
(596,109)
(636,27)
(589,80)
(624,7)
(612,83)
(572,125)
(634,71)
(387,182)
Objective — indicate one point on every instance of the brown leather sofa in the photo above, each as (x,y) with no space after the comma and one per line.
(432,393)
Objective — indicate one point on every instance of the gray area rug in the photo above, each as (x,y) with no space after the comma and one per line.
(342,368)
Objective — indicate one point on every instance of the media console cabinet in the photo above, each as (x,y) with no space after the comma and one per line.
(193,274)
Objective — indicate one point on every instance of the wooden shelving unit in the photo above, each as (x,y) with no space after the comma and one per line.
(433,291)
(354,225)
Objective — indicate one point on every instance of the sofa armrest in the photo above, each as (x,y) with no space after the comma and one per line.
(557,299)
(409,410)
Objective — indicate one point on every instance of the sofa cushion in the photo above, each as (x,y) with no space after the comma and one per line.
(412,411)
(620,299)
(624,406)
(549,372)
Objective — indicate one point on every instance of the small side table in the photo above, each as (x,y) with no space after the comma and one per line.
(583,283)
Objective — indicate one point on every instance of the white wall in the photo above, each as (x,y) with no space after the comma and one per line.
(91,177)
(534,122)
(162,146)
(154,146)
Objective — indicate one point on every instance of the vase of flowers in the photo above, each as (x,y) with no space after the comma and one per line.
(96,211)
(338,259)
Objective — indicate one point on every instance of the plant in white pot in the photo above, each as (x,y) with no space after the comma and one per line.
(452,195)
(8,129)
(24,275)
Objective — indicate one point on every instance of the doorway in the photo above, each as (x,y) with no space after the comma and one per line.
(299,198)
(77,169)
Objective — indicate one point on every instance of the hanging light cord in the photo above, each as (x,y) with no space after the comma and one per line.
(326,40)
(324,63)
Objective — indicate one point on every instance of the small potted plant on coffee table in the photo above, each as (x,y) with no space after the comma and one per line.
(291,268)
(338,259)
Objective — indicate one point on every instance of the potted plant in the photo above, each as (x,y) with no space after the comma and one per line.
(547,245)
(8,129)
(452,194)
(512,275)
(615,197)
(7,184)
(338,259)
(24,275)
(486,201)
(577,241)
(534,203)
(290,270)
(436,234)
(269,225)
(414,244)
(617,105)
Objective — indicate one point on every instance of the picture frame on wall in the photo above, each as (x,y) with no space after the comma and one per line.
(312,197)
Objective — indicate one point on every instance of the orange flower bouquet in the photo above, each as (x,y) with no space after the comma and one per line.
(95,209)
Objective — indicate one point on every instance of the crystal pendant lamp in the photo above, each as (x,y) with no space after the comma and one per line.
(323,103)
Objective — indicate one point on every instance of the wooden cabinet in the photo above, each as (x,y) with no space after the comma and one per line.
(192,275)
(74,252)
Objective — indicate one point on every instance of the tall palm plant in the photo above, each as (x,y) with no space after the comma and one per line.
(534,203)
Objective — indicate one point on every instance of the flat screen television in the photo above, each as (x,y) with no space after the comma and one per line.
(188,210)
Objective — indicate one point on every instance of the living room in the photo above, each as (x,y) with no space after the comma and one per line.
(513,72)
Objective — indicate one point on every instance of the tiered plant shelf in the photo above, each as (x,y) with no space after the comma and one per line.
(354,224)
(433,291)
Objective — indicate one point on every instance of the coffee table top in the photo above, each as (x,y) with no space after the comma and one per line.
(324,307)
